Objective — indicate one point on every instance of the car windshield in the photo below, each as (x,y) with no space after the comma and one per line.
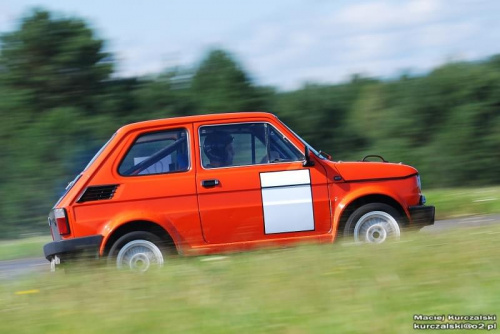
(304,142)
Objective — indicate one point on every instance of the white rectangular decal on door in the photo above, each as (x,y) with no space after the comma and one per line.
(287,201)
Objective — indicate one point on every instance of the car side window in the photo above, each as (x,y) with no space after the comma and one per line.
(280,148)
(157,153)
(244,144)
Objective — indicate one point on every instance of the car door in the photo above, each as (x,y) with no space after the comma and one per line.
(264,192)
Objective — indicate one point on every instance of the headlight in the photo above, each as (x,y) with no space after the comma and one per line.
(419,183)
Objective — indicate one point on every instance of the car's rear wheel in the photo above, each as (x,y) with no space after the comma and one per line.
(373,223)
(137,251)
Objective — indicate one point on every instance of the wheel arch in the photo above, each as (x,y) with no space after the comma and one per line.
(358,202)
(133,226)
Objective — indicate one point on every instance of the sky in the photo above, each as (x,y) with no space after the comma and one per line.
(284,43)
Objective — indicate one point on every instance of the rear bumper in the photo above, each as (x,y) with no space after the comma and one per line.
(421,215)
(70,248)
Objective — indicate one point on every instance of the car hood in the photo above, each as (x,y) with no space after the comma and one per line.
(358,171)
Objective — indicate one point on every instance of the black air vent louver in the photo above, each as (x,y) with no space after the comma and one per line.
(97,193)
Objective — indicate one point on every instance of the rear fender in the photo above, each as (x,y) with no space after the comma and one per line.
(133,216)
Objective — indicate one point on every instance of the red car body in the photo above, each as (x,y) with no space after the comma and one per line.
(276,191)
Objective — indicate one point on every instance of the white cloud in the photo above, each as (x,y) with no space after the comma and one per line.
(379,38)
(387,14)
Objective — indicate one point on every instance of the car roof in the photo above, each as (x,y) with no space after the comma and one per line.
(194,119)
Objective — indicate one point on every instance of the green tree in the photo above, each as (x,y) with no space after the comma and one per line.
(53,73)
(58,61)
(167,95)
(221,85)
(319,113)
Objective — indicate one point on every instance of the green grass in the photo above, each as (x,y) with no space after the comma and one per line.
(338,288)
(464,201)
(23,248)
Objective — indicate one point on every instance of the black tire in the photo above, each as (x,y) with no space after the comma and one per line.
(155,250)
(373,231)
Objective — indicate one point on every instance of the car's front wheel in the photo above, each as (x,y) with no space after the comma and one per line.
(373,223)
(137,251)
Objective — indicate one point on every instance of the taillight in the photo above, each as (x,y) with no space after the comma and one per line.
(61,221)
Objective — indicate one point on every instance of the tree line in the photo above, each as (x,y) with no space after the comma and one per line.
(59,103)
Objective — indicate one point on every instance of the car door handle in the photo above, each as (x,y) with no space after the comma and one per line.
(210,183)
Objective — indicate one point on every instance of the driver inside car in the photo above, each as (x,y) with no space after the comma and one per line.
(218,147)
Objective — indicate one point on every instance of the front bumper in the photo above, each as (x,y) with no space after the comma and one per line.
(70,248)
(421,215)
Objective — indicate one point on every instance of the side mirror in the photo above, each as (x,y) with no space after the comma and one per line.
(326,155)
(307,162)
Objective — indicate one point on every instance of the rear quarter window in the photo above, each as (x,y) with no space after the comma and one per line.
(157,153)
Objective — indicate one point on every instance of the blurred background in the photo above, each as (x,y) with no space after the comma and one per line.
(413,81)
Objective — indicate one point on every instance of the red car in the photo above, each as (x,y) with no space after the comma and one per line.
(225,182)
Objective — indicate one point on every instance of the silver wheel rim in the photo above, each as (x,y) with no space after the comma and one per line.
(139,255)
(376,227)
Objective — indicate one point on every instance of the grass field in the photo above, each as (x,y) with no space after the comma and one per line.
(23,248)
(340,288)
(457,202)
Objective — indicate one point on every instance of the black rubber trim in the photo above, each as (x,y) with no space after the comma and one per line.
(422,215)
(71,247)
